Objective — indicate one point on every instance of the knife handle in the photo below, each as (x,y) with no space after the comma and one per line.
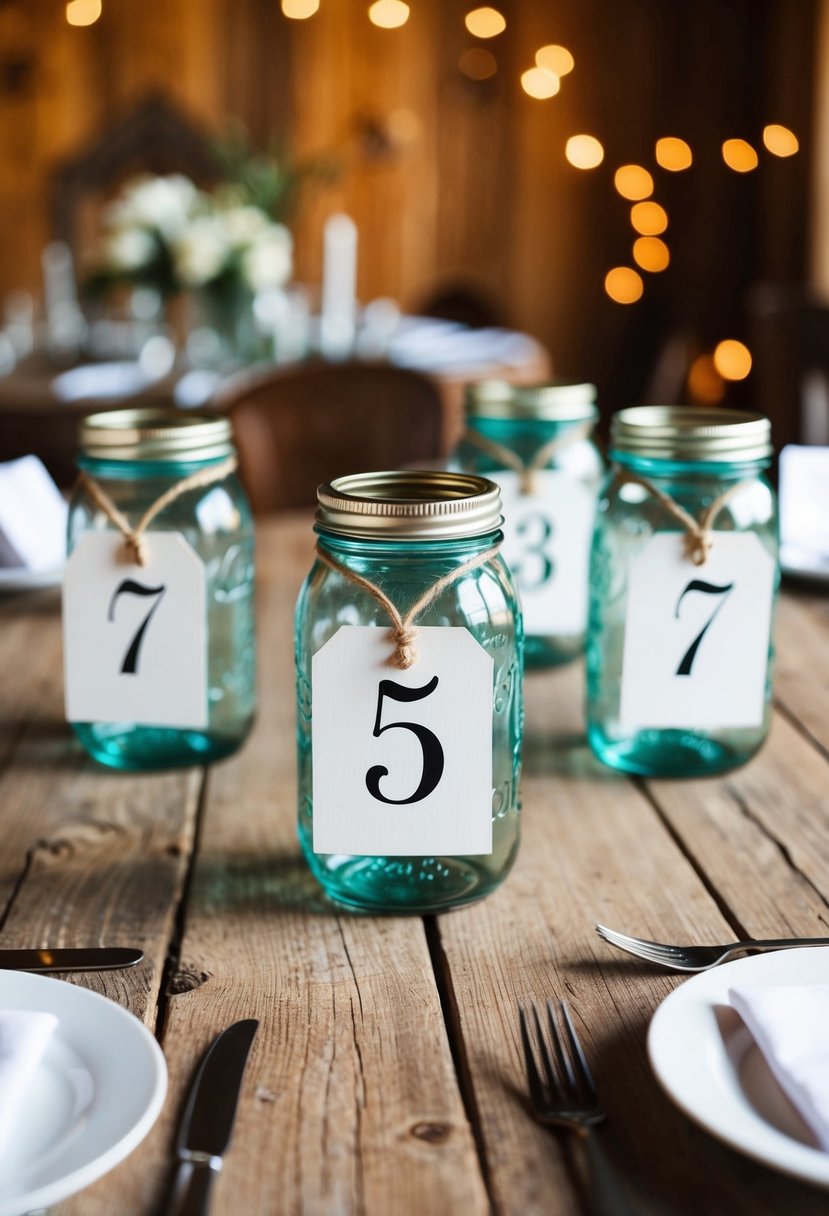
(193,1184)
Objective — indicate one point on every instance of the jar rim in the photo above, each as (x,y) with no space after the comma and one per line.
(409,504)
(155,434)
(692,433)
(551,401)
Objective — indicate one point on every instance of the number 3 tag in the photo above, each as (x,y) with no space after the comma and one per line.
(402,759)
(697,637)
(134,637)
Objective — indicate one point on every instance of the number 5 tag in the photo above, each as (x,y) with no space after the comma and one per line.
(402,759)
(134,637)
(697,637)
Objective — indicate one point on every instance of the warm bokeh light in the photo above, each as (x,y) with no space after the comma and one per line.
(651,253)
(705,384)
(300,9)
(389,14)
(739,155)
(478,63)
(673,154)
(83,12)
(633,182)
(649,218)
(485,22)
(780,140)
(540,83)
(556,59)
(584,151)
(623,285)
(732,359)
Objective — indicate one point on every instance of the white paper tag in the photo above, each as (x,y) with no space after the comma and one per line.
(402,759)
(547,538)
(135,637)
(697,637)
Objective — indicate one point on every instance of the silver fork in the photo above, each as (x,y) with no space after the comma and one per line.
(698,958)
(563,1095)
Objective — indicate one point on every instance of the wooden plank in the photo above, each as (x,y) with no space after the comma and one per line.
(801,675)
(351,1103)
(593,849)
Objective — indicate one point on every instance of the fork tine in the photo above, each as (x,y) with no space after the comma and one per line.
(564,1061)
(635,944)
(547,1059)
(533,1075)
(577,1051)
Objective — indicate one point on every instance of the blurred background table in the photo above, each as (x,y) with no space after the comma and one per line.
(386,1076)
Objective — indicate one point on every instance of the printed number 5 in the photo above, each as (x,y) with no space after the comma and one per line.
(697,584)
(130,587)
(429,742)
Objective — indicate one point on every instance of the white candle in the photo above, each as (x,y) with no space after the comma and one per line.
(339,283)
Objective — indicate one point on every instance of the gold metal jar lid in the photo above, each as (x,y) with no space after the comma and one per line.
(556,401)
(684,432)
(409,505)
(155,434)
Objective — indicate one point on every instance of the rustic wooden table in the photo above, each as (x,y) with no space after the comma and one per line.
(386,1076)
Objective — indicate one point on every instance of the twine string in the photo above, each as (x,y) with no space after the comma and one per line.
(527,470)
(403,631)
(135,542)
(699,533)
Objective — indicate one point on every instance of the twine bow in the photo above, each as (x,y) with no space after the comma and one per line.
(699,533)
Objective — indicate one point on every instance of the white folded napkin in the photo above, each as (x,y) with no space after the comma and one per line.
(23,1039)
(790,1025)
(32,517)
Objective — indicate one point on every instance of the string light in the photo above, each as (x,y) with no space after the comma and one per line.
(539,83)
(739,155)
(389,14)
(780,141)
(556,59)
(623,285)
(633,182)
(732,359)
(649,218)
(651,254)
(485,22)
(83,12)
(478,63)
(673,154)
(584,151)
(298,10)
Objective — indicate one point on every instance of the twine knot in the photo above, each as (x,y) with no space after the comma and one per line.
(136,547)
(527,480)
(698,546)
(405,655)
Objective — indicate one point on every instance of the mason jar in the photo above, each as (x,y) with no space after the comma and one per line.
(129,460)
(683,584)
(396,540)
(535,442)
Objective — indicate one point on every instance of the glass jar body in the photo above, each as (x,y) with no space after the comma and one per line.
(534,537)
(216,522)
(483,601)
(628,517)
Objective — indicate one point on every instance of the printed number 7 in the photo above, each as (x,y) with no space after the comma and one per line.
(429,742)
(130,587)
(697,584)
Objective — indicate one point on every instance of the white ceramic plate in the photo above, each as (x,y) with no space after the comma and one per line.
(710,1066)
(13,578)
(96,1094)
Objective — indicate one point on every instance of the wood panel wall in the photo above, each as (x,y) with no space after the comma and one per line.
(453,181)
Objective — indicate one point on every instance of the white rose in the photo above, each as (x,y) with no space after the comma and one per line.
(200,252)
(129,249)
(269,260)
(244,224)
(165,203)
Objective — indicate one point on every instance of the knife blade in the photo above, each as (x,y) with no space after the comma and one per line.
(207,1122)
(91,958)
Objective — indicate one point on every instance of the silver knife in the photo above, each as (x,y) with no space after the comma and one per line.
(92,958)
(207,1123)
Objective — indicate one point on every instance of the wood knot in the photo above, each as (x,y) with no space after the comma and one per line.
(432,1133)
(186,981)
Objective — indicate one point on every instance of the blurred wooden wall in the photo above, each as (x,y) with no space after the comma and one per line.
(450,180)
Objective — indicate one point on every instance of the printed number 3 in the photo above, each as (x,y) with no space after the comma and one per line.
(697,584)
(130,587)
(432,750)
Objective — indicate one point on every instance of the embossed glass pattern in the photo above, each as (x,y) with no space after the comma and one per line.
(482,601)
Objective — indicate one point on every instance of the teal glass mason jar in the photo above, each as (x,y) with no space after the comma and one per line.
(683,583)
(134,457)
(535,442)
(415,537)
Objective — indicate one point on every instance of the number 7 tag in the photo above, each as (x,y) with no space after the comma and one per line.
(696,642)
(134,637)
